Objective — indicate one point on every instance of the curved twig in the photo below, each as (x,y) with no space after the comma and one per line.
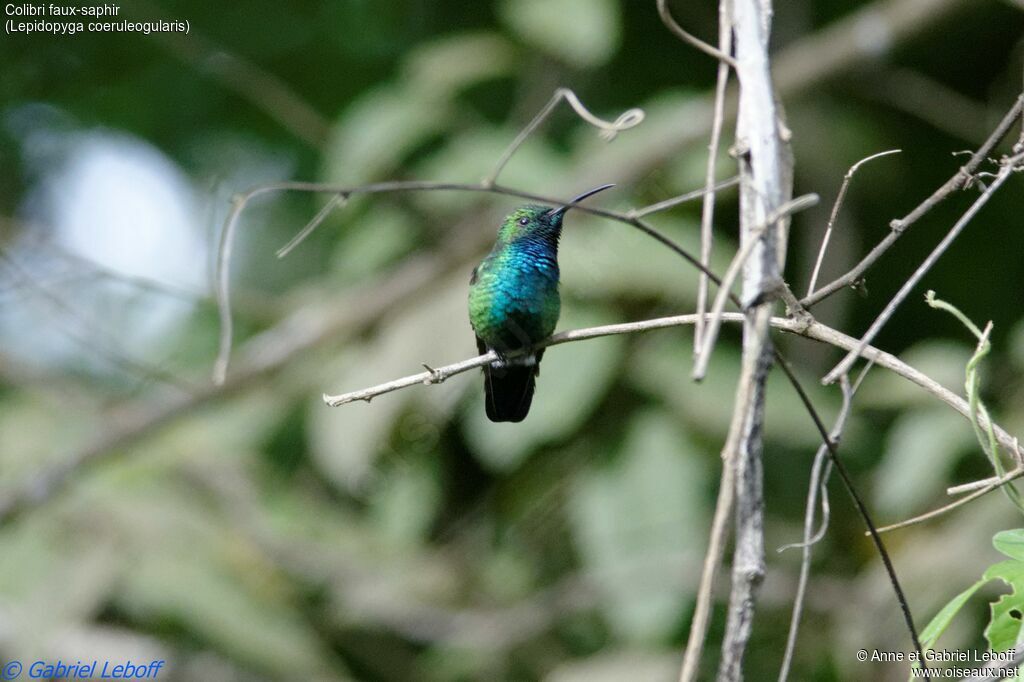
(687,37)
(608,131)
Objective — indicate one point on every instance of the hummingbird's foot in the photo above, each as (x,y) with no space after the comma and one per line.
(522,360)
(501,362)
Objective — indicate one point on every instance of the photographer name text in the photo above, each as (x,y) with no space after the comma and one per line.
(81,670)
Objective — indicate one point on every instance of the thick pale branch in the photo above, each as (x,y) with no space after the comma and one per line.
(766,169)
(808,329)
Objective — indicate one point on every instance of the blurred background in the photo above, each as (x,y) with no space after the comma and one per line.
(250,533)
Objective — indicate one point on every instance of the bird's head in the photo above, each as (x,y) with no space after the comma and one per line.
(533,221)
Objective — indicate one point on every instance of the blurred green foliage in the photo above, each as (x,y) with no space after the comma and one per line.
(265,536)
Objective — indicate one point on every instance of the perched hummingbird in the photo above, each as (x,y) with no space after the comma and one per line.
(514,304)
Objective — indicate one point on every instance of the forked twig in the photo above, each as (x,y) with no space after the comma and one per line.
(334,202)
(900,226)
(1011,475)
(1006,170)
(835,213)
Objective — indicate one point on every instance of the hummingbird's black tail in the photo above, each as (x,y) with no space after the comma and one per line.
(508,389)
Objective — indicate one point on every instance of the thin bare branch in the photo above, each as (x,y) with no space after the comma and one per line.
(717,537)
(1002,480)
(820,471)
(683,198)
(835,213)
(332,203)
(862,510)
(808,329)
(707,215)
(972,486)
(826,334)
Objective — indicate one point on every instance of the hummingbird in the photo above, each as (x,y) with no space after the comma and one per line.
(514,304)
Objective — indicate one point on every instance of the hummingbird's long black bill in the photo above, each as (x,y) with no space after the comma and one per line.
(589,193)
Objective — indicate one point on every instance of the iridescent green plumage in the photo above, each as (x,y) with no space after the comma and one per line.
(514,304)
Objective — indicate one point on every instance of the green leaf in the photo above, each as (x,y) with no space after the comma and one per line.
(593,266)
(580,32)
(345,442)
(943,361)
(631,520)
(406,502)
(618,666)
(379,130)
(938,624)
(664,358)
(445,66)
(470,156)
(920,450)
(1010,543)
(1004,628)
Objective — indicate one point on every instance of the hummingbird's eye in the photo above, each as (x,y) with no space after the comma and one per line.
(524,221)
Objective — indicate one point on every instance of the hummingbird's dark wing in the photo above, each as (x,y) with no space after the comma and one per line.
(508,389)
